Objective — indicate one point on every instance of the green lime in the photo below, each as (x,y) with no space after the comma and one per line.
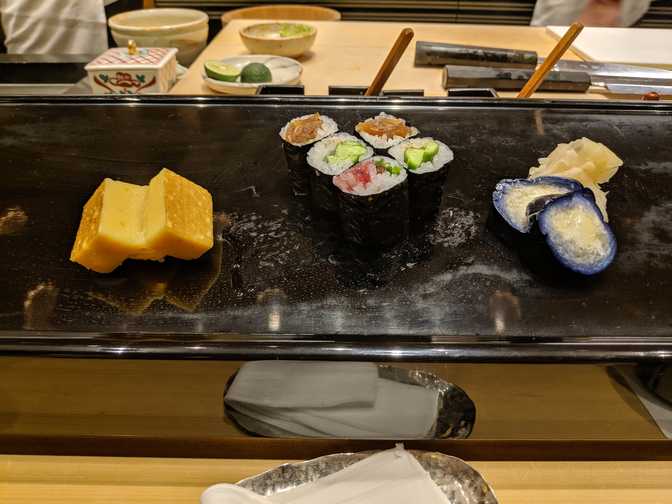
(255,72)
(221,72)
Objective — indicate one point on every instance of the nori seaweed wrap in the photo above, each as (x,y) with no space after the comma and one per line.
(327,158)
(373,202)
(425,160)
(297,137)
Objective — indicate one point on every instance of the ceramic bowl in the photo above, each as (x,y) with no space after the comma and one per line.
(283,71)
(184,29)
(268,38)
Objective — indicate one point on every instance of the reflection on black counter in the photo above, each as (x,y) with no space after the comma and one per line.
(136,285)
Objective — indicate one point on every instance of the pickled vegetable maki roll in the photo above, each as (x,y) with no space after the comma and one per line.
(298,135)
(513,197)
(384,131)
(330,157)
(425,160)
(576,233)
(373,202)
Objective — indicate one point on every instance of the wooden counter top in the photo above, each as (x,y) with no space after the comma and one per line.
(349,53)
(109,480)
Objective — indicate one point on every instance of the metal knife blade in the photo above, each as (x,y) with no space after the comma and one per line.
(636,89)
(602,74)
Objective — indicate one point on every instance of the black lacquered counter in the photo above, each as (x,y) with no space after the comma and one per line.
(282,283)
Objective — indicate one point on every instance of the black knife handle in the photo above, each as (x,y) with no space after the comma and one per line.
(437,54)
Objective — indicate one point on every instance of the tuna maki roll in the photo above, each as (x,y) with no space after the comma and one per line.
(512,198)
(384,131)
(425,160)
(373,202)
(577,234)
(330,157)
(297,136)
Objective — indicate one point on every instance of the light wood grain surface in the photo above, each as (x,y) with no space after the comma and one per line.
(108,480)
(350,52)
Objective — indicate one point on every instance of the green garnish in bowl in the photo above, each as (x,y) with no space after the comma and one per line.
(294,30)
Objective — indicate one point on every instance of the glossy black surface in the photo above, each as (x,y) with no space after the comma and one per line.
(285,275)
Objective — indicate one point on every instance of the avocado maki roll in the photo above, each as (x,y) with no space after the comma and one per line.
(373,202)
(297,136)
(425,160)
(332,156)
(384,131)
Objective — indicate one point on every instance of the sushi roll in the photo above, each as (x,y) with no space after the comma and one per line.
(373,202)
(297,137)
(576,233)
(330,157)
(384,131)
(425,160)
(512,198)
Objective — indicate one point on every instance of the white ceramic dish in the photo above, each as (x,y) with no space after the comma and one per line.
(184,29)
(266,38)
(283,70)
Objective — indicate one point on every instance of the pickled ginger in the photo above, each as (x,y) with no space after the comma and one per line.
(584,160)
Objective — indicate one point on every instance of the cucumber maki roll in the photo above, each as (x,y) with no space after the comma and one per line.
(512,198)
(425,160)
(297,136)
(576,233)
(384,131)
(330,157)
(373,202)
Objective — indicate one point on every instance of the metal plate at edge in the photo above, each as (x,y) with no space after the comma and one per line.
(460,482)
(456,412)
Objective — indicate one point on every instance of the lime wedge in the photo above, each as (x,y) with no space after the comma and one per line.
(221,72)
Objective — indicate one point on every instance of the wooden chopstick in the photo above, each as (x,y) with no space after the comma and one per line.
(390,62)
(560,48)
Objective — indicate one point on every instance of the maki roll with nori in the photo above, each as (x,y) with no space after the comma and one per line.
(329,157)
(425,159)
(512,197)
(373,202)
(576,233)
(384,131)
(297,136)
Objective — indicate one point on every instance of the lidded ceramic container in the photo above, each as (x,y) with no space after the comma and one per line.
(133,70)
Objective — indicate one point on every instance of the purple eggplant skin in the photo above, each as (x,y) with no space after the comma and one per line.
(504,186)
(585,199)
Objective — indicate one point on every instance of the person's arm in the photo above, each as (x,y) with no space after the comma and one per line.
(589,12)
(601,13)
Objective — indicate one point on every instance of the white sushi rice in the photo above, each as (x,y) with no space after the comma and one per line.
(443,157)
(329,127)
(382,142)
(578,233)
(517,199)
(317,155)
(380,182)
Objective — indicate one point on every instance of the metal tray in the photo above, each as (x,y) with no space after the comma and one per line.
(455,418)
(285,286)
(460,482)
